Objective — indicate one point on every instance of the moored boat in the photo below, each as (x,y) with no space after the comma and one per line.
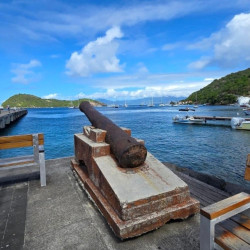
(187,119)
(240,123)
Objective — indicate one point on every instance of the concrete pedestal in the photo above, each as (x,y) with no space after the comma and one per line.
(133,201)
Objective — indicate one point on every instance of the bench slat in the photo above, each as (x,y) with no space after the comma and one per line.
(217,209)
(14,138)
(16,161)
(20,144)
(242,219)
(227,240)
(19,141)
(238,230)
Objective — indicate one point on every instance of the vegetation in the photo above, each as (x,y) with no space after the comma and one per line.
(224,90)
(31,101)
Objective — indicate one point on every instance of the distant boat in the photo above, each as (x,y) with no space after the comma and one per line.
(125,104)
(187,119)
(162,104)
(196,106)
(240,123)
(113,106)
(72,106)
(152,103)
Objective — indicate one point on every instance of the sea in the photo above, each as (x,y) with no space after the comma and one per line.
(215,148)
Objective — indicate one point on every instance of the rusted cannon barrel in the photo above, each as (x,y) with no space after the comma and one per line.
(126,149)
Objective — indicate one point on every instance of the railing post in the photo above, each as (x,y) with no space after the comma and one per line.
(39,158)
(206,233)
(36,148)
(42,166)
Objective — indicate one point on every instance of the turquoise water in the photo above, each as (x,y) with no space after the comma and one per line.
(212,149)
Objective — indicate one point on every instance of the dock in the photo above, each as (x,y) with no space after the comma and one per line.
(9,116)
(216,118)
(61,216)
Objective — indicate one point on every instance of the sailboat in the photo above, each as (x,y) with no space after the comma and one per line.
(71,105)
(152,103)
(162,104)
(196,106)
(125,104)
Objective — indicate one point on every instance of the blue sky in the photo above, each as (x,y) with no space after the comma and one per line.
(120,49)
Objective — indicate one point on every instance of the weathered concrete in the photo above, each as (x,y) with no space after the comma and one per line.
(8,117)
(61,216)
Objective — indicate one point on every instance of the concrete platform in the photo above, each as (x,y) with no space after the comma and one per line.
(60,216)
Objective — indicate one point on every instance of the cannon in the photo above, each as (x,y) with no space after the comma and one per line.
(128,152)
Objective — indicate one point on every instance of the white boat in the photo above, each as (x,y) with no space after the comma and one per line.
(125,104)
(72,106)
(187,119)
(152,103)
(240,123)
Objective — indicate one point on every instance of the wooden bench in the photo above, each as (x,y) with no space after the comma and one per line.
(230,234)
(19,141)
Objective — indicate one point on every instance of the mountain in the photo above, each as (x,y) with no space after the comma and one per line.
(31,101)
(146,100)
(224,90)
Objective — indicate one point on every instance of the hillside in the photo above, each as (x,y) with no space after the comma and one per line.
(31,101)
(224,90)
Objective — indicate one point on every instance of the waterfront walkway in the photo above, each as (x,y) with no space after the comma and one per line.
(60,216)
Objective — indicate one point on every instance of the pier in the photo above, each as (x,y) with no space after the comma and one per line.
(60,215)
(9,116)
(216,118)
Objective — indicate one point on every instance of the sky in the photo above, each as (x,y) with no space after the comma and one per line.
(120,49)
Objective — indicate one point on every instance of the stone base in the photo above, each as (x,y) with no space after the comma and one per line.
(145,209)
(133,200)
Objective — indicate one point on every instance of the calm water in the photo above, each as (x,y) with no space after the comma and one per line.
(211,149)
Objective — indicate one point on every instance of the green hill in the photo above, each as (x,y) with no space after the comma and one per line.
(31,101)
(224,90)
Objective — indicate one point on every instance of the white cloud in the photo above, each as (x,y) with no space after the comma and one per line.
(51,96)
(230,46)
(23,72)
(174,89)
(53,20)
(98,56)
